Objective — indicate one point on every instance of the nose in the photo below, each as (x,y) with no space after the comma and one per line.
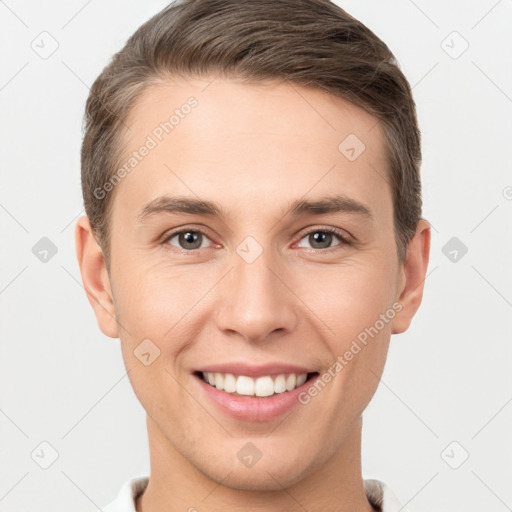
(257,304)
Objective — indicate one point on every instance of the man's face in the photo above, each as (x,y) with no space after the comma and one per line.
(261,290)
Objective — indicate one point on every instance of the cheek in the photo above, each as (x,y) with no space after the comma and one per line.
(349,298)
(161,301)
(355,306)
(152,299)
(158,306)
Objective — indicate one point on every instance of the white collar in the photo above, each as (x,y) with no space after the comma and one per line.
(378,493)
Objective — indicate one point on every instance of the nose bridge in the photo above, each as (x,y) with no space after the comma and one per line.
(256,301)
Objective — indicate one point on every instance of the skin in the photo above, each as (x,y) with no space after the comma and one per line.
(253,148)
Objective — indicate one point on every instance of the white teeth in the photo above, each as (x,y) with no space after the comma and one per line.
(219,381)
(301,379)
(280,384)
(229,383)
(262,386)
(291,380)
(245,385)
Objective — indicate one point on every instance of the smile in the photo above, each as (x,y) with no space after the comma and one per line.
(269,393)
(248,386)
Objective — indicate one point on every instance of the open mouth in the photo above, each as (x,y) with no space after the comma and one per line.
(264,386)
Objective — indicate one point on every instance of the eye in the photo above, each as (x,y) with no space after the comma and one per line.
(187,239)
(318,238)
(321,238)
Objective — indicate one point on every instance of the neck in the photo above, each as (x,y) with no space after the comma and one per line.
(175,484)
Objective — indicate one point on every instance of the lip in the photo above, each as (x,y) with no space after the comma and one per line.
(254,371)
(253,408)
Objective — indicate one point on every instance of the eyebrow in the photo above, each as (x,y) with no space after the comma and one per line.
(300,207)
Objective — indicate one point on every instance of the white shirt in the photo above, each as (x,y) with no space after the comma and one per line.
(378,493)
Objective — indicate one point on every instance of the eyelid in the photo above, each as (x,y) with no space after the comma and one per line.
(342,233)
(183,229)
(345,237)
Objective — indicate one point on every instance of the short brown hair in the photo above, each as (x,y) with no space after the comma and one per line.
(312,43)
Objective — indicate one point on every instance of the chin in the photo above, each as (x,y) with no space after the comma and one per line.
(273,474)
(264,479)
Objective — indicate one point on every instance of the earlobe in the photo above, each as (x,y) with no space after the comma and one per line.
(95,277)
(413,274)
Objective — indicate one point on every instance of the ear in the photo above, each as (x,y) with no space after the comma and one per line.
(412,279)
(95,277)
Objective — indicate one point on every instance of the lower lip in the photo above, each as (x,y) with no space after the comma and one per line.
(254,408)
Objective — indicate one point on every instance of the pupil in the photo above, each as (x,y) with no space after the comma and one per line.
(320,237)
(189,240)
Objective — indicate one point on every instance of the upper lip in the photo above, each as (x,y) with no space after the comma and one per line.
(254,370)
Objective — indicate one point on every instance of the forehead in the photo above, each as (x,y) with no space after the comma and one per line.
(251,142)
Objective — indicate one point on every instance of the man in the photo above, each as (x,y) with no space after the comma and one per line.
(253,236)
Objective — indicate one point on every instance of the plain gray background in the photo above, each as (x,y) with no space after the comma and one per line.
(446,391)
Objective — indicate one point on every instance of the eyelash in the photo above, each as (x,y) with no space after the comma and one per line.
(345,240)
